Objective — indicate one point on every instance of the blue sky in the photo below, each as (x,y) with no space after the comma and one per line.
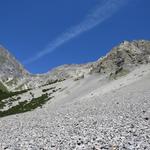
(43,34)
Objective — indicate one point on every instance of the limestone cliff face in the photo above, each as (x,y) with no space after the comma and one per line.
(123,58)
(11,71)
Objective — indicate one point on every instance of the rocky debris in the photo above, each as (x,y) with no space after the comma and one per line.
(96,123)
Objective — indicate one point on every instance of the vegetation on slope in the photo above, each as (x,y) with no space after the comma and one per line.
(5,94)
(48,89)
(26,106)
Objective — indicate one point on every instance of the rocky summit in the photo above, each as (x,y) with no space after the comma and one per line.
(101,105)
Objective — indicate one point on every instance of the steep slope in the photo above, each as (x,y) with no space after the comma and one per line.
(11,71)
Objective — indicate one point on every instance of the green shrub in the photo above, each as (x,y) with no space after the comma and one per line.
(45,90)
(26,106)
(6,94)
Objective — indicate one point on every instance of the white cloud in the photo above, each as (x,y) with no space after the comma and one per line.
(97,16)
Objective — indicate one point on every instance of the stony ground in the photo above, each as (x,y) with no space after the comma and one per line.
(118,119)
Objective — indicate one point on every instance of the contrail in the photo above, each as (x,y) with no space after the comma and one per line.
(97,16)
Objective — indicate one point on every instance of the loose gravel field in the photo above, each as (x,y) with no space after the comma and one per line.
(117,119)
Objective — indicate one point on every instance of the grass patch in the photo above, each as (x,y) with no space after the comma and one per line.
(26,106)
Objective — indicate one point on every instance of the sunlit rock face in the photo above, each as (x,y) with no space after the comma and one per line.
(11,71)
(124,57)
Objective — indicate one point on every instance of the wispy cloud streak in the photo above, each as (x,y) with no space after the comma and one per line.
(97,16)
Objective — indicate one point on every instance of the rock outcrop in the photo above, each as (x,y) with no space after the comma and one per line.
(11,71)
(123,58)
